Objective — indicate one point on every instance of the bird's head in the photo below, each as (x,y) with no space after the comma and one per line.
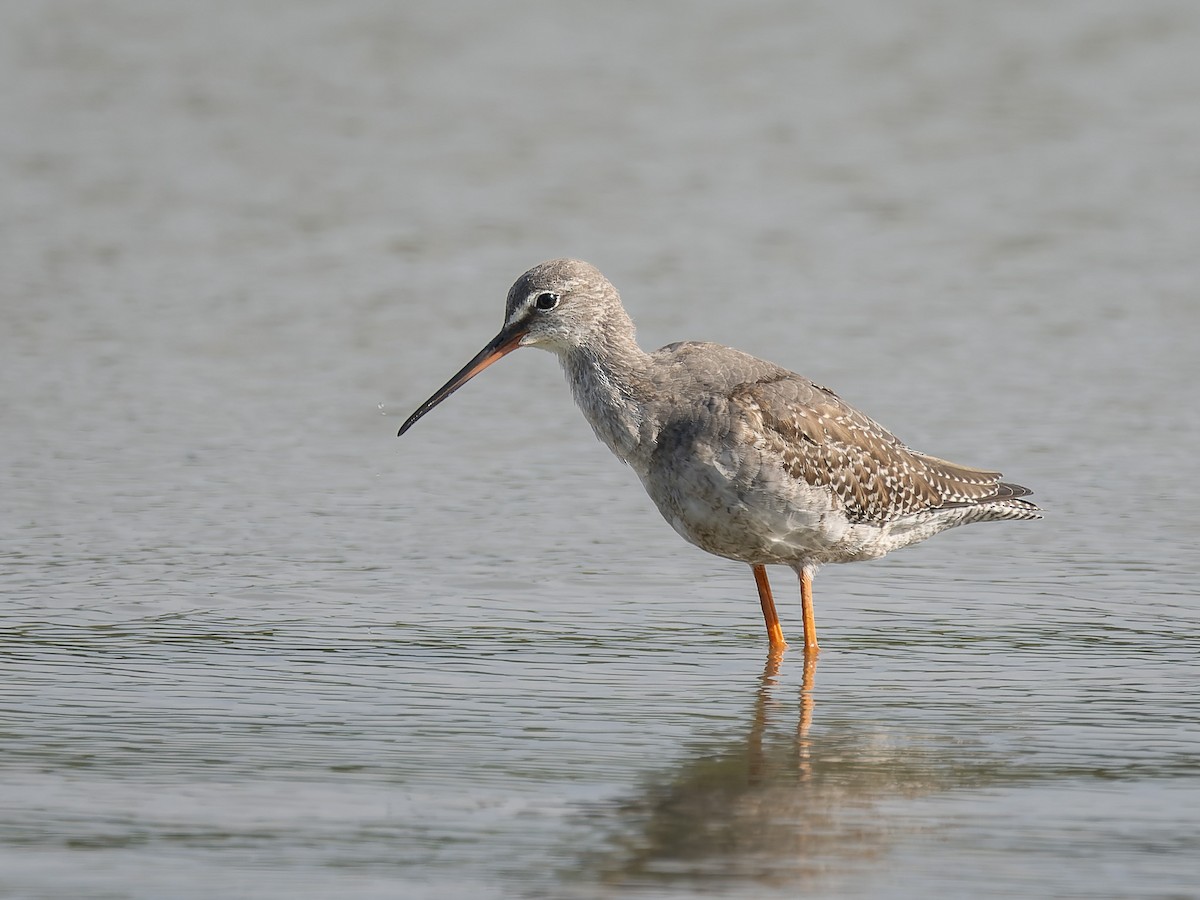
(558,305)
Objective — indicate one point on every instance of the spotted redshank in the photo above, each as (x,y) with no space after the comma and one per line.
(744,459)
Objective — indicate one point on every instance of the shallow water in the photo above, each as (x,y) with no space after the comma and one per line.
(253,646)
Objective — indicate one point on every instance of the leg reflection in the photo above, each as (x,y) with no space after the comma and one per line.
(803,743)
(765,703)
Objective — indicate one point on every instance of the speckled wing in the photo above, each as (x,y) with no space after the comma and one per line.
(877,479)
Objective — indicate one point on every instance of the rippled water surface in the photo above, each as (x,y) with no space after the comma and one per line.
(251,645)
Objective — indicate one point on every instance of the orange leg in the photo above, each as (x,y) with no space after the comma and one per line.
(806,606)
(774,631)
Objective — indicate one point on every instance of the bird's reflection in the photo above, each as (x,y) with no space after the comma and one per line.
(755,755)
(789,803)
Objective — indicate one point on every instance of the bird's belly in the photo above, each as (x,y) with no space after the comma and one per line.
(763,518)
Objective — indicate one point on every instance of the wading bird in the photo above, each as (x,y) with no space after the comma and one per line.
(743,458)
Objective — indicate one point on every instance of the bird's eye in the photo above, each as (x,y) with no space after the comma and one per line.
(546,300)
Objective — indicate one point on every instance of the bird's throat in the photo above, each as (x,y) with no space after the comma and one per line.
(609,390)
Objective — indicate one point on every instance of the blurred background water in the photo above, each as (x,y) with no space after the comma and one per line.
(253,646)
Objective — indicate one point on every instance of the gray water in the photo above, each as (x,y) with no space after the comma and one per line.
(254,646)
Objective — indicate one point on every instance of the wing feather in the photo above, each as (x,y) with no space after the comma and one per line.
(877,478)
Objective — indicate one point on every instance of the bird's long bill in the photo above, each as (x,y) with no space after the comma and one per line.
(508,340)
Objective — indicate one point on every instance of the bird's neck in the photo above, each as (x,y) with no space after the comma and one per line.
(609,380)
